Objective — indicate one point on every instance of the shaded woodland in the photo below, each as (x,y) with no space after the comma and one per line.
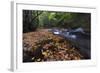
(46,19)
(56,36)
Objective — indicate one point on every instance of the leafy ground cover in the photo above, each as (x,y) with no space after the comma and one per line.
(42,45)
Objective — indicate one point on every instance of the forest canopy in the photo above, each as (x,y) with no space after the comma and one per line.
(33,19)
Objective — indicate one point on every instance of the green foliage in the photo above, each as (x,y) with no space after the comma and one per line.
(48,19)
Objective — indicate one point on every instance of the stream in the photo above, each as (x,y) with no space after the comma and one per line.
(78,38)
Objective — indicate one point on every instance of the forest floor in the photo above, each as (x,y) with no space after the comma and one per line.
(42,45)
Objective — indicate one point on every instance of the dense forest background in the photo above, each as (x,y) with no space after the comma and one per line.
(48,19)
